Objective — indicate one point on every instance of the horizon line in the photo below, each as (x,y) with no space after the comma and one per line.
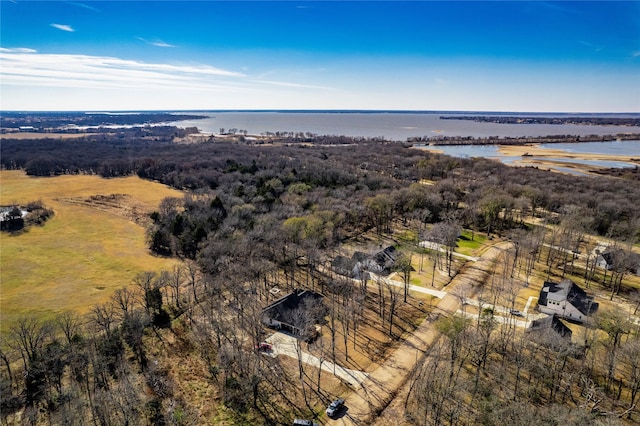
(321,111)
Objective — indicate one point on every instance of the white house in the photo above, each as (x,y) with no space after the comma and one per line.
(613,258)
(566,300)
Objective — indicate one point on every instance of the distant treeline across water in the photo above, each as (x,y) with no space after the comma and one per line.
(469,140)
(582,120)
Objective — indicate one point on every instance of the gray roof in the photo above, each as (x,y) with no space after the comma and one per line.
(380,262)
(570,292)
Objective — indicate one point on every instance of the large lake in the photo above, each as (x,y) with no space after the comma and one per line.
(389,125)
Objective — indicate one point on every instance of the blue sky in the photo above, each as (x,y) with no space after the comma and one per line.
(419,55)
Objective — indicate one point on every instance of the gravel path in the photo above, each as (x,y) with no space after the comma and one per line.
(378,391)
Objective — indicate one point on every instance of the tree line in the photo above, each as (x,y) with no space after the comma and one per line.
(360,169)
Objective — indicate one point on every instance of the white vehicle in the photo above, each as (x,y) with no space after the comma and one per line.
(301,422)
(334,407)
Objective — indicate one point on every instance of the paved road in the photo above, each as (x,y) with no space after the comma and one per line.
(284,344)
(435,246)
(418,289)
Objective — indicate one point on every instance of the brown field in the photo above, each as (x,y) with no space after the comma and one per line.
(36,135)
(87,250)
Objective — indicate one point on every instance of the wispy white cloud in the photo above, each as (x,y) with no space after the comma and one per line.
(288,84)
(85,6)
(161,44)
(591,45)
(17,50)
(636,54)
(557,7)
(63,70)
(156,42)
(63,27)
(32,80)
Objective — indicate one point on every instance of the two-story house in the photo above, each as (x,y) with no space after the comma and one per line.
(566,300)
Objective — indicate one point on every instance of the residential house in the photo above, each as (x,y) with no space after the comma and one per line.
(358,266)
(566,300)
(550,323)
(298,312)
(613,258)
(361,263)
(554,334)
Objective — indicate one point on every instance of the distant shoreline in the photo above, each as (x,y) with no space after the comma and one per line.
(520,141)
(559,120)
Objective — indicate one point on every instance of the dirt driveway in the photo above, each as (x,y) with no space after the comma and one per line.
(379,398)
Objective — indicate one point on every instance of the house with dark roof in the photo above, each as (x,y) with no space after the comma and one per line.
(357,266)
(361,263)
(554,334)
(298,312)
(566,300)
(613,258)
(550,323)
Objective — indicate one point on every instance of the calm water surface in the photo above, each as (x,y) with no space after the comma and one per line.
(631,148)
(391,126)
(401,126)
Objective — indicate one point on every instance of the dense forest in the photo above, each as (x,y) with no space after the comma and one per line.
(260,214)
(336,175)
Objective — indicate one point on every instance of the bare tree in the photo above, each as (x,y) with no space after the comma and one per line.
(28,335)
(103,317)
(615,324)
(124,299)
(174,283)
(394,296)
(71,325)
(630,355)
(403,265)
(193,274)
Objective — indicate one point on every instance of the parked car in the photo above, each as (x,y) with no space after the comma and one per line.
(334,407)
(264,347)
(516,312)
(302,422)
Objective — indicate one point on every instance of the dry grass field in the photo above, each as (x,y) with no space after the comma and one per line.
(86,251)
(35,135)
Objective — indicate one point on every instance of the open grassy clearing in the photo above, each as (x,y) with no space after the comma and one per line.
(82,254)
(469,242)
